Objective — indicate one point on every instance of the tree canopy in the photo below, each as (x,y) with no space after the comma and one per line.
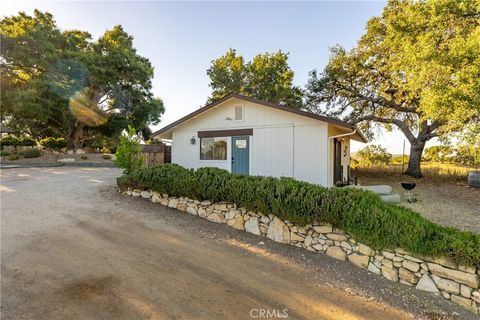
(266,77)
(62,83)
(417,67)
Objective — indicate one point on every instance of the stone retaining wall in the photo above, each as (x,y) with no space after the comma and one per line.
(438,275)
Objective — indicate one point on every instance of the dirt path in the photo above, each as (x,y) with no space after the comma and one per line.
(71,252)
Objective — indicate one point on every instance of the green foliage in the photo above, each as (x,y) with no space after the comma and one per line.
(27,142)
(416,67)
(77,88)
(266,77)
(363,214)
(84,157)
(154,141)
(13,157)
(32,153)
(373,155)
(127,155)
(9,141)
(53,143)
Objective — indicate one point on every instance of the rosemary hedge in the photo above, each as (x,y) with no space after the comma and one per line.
(361,213)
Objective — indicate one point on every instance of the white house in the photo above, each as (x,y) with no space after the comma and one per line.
(249,136)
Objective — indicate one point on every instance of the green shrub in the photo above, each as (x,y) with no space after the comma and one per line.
(27,142)
(13,157)
(84,157)
(32,153)
(127,155)
(9,141)
(362,214)
(53,143)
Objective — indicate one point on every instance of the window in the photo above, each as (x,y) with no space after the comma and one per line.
(213,149)
(238,113)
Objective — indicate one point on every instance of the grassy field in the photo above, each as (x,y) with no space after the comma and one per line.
(432,171)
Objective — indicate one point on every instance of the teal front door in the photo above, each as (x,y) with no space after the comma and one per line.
(240,155)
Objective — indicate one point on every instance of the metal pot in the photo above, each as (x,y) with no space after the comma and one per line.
(474,179)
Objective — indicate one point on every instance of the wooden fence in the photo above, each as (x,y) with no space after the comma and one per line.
(155,154)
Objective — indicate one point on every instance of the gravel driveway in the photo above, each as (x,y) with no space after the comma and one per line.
(73,248)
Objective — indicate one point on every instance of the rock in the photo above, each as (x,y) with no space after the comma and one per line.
(466,303)
(397,259)
(164,202)
(202,212)
(444,261)
(252,226)
(173,203)
(446,295)
(336,237)
(230,214)
(408,276)
(476,296)
(129,192)
(70,151)
(390,274)
(345,245)
(220,207)
(264,219)
(364,249)
(412,259)
(465,268)
(469,279)
(426,284)
(79,151)
(236,223)
(359,260)
(278,231)
(388,254)
(336,252)
(323,229)
(145,194)
(388,263)
(296,237)
(446,285)
(410,265)
(308,240)
(135,193)
(205,203)
(156,198)
(318,247)
(373,268)
(192,210)
(217,217)
(66,160)
(465,291)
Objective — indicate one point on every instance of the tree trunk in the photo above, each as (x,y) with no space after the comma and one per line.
(76,135)
(416,151)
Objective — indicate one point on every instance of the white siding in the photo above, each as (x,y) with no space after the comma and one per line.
(283,143)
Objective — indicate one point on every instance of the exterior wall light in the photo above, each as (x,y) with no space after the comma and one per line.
(192,140)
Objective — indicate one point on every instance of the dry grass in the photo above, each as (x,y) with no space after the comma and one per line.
(443,193)
(432,172)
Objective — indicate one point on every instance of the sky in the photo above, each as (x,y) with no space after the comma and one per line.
(182,38)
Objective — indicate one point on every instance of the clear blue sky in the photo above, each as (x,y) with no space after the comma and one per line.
(181,38)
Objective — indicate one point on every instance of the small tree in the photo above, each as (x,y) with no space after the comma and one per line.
(374,155)
(127,155)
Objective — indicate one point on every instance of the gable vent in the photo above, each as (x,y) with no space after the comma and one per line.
(238,113)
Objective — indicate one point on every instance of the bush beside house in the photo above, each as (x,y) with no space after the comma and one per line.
(362,214)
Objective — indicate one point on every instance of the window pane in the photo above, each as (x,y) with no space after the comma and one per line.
(206,148)
(241,144)
(220,149)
